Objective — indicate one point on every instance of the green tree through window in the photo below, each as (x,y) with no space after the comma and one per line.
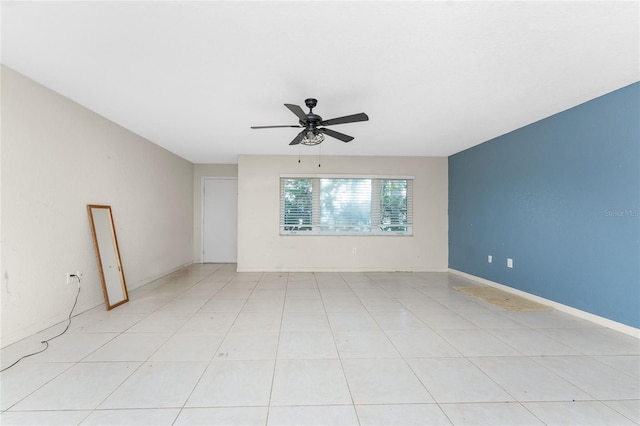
(393,200)
(298,196)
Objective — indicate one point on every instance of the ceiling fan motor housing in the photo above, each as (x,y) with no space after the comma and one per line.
(312,121)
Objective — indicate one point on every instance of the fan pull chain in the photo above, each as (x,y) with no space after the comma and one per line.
(299,153)
(319,154)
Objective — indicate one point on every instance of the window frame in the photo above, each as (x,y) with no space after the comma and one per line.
(375,212)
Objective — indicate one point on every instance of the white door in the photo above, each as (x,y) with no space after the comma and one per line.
(220,220)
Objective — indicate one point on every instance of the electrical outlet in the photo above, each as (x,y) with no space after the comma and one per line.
(509,263)
(489,258)
(74,277)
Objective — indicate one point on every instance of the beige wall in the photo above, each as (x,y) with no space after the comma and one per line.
(201,171)
(57,157)
(261,248)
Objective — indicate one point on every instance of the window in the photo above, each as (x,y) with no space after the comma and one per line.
(346,206)
(296,201)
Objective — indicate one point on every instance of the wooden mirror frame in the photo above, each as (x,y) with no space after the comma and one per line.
(105,242)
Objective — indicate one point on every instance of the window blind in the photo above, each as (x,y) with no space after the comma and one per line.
(296,199)
(343,205)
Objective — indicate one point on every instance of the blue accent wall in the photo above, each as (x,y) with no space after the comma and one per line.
(561,197)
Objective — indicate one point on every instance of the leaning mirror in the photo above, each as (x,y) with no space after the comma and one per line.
(105,242)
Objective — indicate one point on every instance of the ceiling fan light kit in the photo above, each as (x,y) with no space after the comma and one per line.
(313,134)
(312,138)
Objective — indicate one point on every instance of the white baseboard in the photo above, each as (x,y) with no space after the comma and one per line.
(331,269)
(605,322)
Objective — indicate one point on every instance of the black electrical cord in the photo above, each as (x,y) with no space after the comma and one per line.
(46,342)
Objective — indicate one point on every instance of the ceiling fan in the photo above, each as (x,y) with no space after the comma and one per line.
(313,134)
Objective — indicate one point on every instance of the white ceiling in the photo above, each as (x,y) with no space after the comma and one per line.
(434,77)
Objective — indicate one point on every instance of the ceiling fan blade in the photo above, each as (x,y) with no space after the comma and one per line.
(298,138)
(346,119)
(337,135)
(273,127)
(297,111)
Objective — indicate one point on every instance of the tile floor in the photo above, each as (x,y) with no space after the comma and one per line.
(207,345)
